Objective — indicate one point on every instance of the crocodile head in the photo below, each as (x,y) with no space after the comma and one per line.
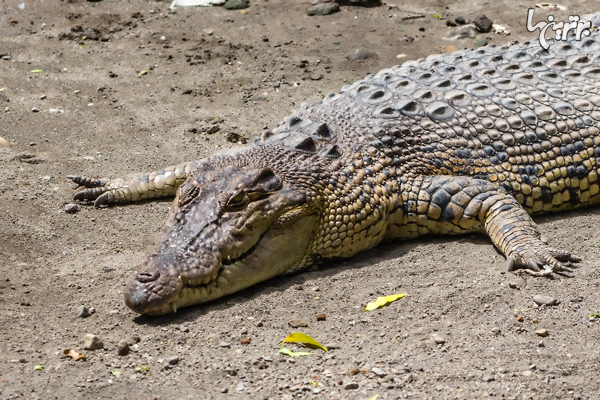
(228,229)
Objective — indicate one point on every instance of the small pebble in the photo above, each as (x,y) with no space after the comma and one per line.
(82,311)
(123,348)
(351,386)
(4,143)
(483,23)
(512,285)
(542,332)
(240,387)
(245,341)
(480,43)
(236,4)
(320,317)
(541,344)
(439,340)
(92,342)
(323,9)
(520,318)
(72,209)
(488,378)
(353,371)
(362,54)
(450,23)
(297,323)
(224,344)
(378,371)
(35,110)
(173,360)
(544,300)
(460,20)
(224,390)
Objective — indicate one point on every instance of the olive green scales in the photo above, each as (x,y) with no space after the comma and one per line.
(473,141)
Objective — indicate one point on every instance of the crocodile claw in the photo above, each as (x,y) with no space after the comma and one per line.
(539,259)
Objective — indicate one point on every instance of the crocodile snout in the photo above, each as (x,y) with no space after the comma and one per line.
(150,288)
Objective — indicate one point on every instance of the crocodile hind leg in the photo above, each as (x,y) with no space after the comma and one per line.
(162,183)
(454,205)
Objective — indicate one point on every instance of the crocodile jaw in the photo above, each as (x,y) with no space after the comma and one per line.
(277,251)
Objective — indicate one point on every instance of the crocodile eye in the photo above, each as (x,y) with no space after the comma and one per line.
(238,200)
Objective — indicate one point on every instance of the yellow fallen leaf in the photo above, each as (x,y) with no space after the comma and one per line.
(143,72)
(38,368)
(36,71)
(74,354)
(302,338)
(383,301)
(374,397)
(285,350)
(243,11)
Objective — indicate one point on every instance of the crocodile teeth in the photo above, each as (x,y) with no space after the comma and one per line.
(174,307)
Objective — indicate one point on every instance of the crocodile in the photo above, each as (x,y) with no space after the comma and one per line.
(472,141)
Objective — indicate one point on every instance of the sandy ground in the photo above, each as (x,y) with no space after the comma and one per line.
(455,335)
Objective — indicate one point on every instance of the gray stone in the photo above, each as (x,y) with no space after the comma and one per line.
(359,3)
(92,342)
(540,299)
(224,344)
(483,23)
(362,54)
(351,386)
(378,371)
(462,32)
(83,312)
(123,348)
(173,360)
(439,340)
(323,9)
(460,20)
(236,4)
(488,378)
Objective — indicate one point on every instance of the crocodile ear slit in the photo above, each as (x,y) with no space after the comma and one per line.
(266,181)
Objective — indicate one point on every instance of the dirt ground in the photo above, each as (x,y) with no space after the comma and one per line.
(90,111)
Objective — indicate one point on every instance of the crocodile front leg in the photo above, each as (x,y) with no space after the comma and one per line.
(162,183)
(455,205)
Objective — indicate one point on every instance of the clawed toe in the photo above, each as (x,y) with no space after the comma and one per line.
(540,260)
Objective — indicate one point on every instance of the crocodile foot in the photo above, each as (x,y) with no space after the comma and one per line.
(96,189)
(538,259)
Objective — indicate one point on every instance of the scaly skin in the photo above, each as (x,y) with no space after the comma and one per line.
(473,141)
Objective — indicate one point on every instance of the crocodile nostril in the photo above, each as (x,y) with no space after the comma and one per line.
(147,276)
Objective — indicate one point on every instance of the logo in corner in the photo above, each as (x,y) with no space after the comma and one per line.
(561,28)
